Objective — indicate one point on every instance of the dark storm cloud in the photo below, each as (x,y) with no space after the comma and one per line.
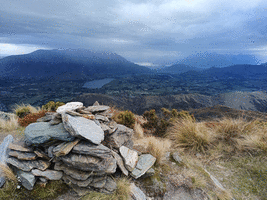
(141,31)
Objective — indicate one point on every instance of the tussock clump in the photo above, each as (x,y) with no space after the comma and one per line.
(138,131)
(188,134)
(9,125)
(157,147)
(23,110)
(52,106)
(8,173)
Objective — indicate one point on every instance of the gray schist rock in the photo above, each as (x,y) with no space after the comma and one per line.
(176,157)
(48,174)
(90,163)
(101,118)
(4,150)
(64,148)
(27,179)
(110,186)
(82,127)
(121,137)
(94,109)
(120,163)
(72,172)
(41,132)
(130,157)
(69,107)
(68,179)
(28,165)
(22,155)
(145,162)
(17,147)
(136,193)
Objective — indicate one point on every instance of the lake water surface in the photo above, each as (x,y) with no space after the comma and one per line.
(97,83)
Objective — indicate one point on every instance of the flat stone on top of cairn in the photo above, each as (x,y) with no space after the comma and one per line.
(71,106)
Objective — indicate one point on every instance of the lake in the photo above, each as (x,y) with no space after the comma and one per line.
(97,83)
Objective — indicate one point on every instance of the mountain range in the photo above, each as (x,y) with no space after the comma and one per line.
(67,64)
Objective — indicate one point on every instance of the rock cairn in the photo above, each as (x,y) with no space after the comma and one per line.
(82,146)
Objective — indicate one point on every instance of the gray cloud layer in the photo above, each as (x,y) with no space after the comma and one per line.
(141,31)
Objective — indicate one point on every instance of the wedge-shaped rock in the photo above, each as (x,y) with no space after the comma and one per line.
(136,193)
(102,118)
(130,157)
(94,109)
(22,155)
(85,147)
(64,148)
(68,179)
(90,163)
(72,172)
(41,154)
(17,147)
(41,132)
(73,113)
(48,174)
(27,179)
(85,128)
(4,155)
(110,185)
(145,162)
(69,107)
(121,137)
(120,163)
(28,165)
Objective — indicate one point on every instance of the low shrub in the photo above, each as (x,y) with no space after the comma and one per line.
(31,118)
(126,118)
(52,106)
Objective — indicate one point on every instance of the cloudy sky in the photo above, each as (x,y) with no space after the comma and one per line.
(142,31)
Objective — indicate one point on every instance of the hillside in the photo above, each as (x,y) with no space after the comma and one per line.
(253,101)
(67,64)
(177,69)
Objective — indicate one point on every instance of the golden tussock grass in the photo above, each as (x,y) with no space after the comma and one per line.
(8,173)
(9,125)
(157,147)
(23,109)
(186,133)
(138,131)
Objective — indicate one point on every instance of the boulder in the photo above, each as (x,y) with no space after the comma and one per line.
(4,150)
(48,174)
(64,148)
(85,128)
(27,179)
(19,148)
(130,157)
(41,132)
(145,162)
(28,165)
(22,155)
(121,137)
(90,163)
(69,107)
(94,109)
(136,193)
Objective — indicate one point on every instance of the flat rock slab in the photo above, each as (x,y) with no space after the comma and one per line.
(72,172)
(136,193)
(69,107)
(120,163)
(41,154)
(41,132)
(27,179)
(90,163)
(28,165)
(17,147)
(22,155)
(130,157)
(4,155)
(145,162)
(121,137)
(82,127)
(94,109)
(48,174)
(64,148)
(88,148)
(102,118)
(68,179)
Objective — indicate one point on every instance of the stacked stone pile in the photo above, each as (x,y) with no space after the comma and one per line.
(82,146)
